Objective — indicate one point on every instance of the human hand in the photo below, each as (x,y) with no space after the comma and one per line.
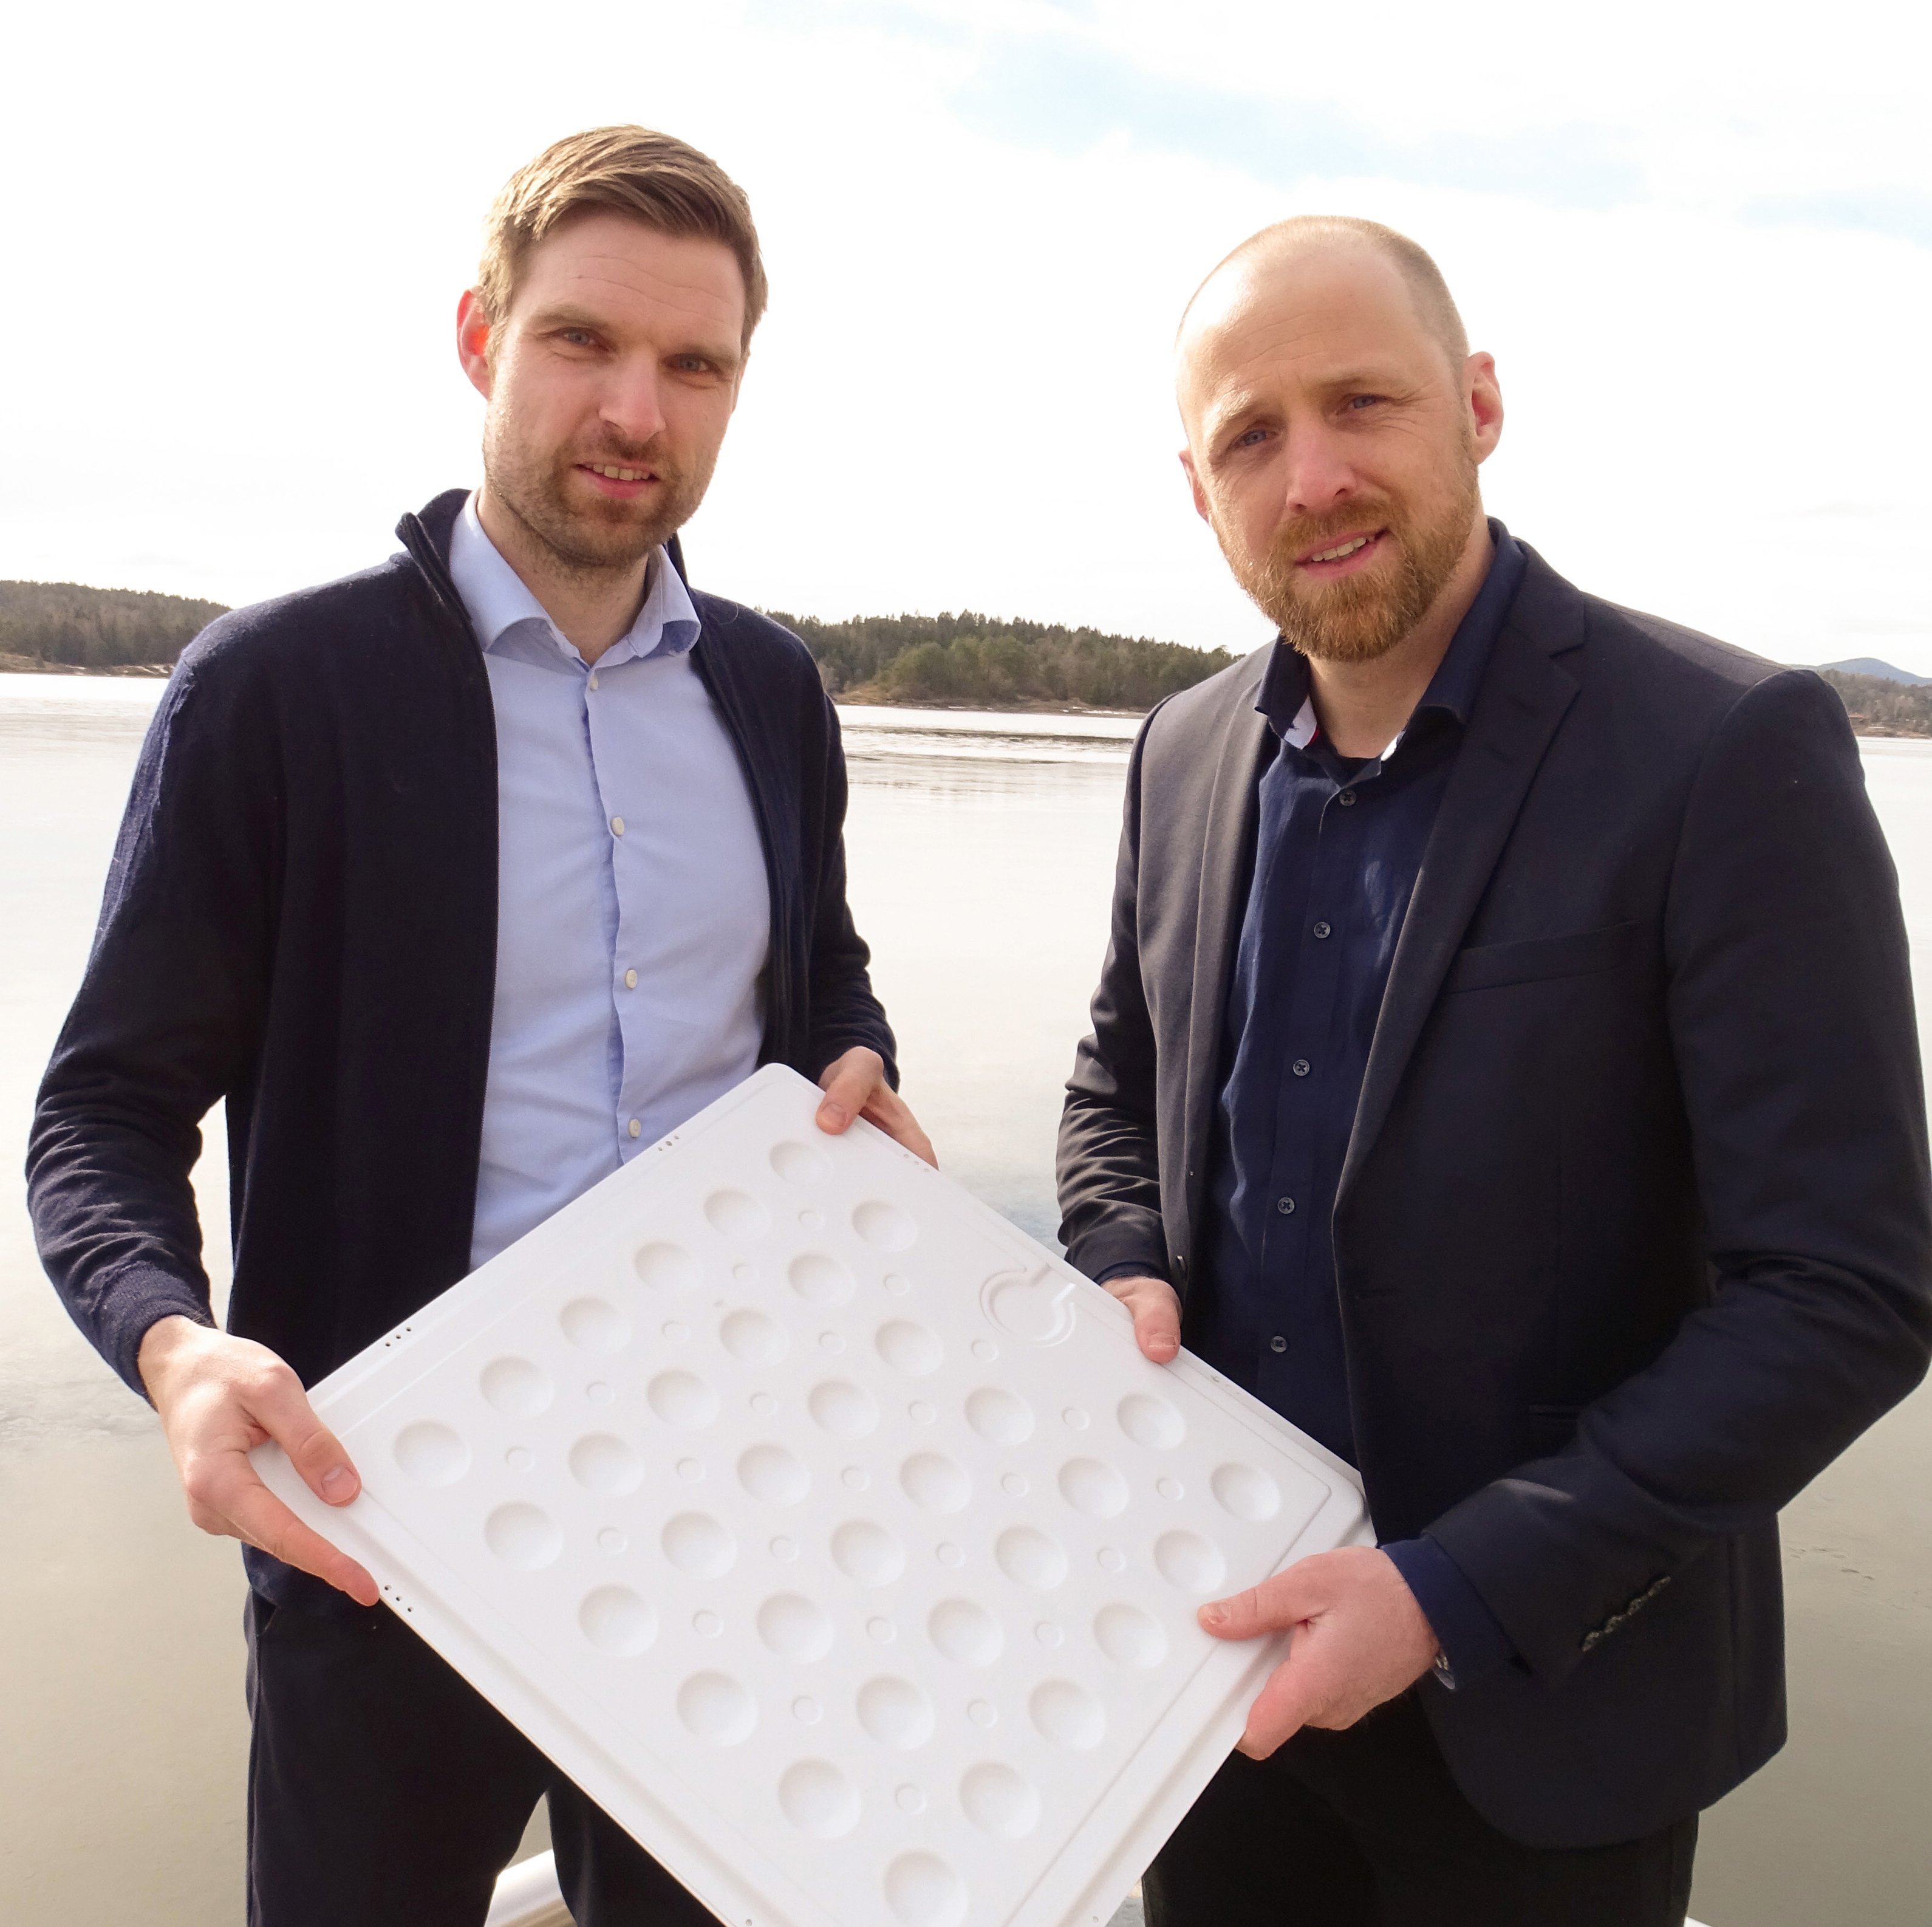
(1359,1638)
(1156,1310)
(855,1086)
(218,1396)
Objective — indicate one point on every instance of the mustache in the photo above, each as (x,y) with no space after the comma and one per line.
(615,452)
(1295,539)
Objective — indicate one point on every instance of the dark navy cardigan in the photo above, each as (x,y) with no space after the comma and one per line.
(301,919)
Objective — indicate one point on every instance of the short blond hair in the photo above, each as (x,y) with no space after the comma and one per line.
(656,179)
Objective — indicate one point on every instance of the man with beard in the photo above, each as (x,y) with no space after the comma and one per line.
(1503,1066)
(462,881)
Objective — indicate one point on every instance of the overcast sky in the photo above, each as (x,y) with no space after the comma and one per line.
(1698,238)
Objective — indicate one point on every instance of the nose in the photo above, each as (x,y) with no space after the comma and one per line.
(1317,475)
(631,403)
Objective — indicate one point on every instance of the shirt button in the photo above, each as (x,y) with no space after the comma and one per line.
(593,682)
(1324,929)
(630,980)
(1347,799)
(1300,1066)
(616,826)
(1277,1343)
(1285,1206)
(635,1128)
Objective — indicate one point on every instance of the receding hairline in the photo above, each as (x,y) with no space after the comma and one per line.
(1434,306)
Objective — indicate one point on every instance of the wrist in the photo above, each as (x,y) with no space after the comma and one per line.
(162,1344)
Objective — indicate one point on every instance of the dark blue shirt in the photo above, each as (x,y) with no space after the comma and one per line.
(1338,842)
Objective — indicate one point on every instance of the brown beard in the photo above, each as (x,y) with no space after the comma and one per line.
(610,535)
(1357,618)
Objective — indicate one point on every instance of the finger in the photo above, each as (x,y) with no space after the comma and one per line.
(259,1516)
(1293,1693)
(281,1408)
(850,1083)
(893,1115)
(1275,1605)
(1156,1314)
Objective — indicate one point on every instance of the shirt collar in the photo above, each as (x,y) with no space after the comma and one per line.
(498,600)
(1285,698)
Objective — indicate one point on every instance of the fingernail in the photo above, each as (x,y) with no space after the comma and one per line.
(834,1117)
(337,1479)
(1213,1616)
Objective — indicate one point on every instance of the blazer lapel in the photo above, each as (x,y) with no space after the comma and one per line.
(1246,744)
(1523,697)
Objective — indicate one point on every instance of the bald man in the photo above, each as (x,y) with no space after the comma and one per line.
(1503,1066)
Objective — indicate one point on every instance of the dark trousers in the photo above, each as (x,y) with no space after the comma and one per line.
(386,1791)
(1365,1828)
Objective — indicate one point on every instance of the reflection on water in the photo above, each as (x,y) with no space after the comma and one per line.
(982,852)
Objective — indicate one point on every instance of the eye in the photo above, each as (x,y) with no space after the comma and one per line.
(691,365)
(576,338)
(1252,439)
(1359,402)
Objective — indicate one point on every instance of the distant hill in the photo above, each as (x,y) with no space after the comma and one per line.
(1878,706)
(67,625)
(1870,665)
(982,661)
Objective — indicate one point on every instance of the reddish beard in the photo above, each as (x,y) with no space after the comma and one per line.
(601,533)
(1357,618)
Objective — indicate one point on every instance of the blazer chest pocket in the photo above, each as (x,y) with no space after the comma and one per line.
(1540,959)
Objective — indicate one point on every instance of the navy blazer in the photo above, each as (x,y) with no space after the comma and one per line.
(300,919)
(1634,1233)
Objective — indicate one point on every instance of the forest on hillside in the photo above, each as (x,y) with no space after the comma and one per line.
(984,662)
(71,625)
(1879,707)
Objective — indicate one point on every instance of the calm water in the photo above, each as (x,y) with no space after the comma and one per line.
(981,851)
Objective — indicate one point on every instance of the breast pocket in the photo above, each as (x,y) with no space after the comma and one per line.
(1544,959)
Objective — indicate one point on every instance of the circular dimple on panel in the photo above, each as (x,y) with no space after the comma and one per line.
(706,1624)
(982,1712)
(668,1267)
(612,1541)
(744,1274)
(1246,1491)
(814,1794)
(895,1713)
(921,1413)
(821,1280)
(882,1630)
(965,1632)
(1068,1715)
(737,1214)
(1075,1418)
(1130,1636)
(794,1628)
(517,1387)
(752,1338)
(948,1554)
(601,1463)
(717,1707)
(522,1536)
(676,1331)
(811,1220)
(763,1404)
(615,1619)
(933,1480)
(1003,1418)
(1150,1421)
(985,1349)
(771,1473)
(1090,1486)
(520,1458)
(698,1544)
(857,1478)
(1189,1562)
(1111,1559)
(831,1341)
(431,1454)
(784,1548)
(910,1347)
(598,1393)
(883,1227)
(800,1163)
(896,1285)
(910,1799)
(690,1469)
(924,1892)
(867,1553)
(1170,1488)
(806,1710)
(682,1398)
(998,1801)
(1048,1634)
(1014,1485)
(592,1325)
(1028,1557)
(842,1409)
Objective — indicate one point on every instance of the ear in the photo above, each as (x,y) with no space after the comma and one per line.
(1194,484)
(472,341)
(1486,403)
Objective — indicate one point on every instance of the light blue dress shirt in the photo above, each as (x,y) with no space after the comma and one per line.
(633,915)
